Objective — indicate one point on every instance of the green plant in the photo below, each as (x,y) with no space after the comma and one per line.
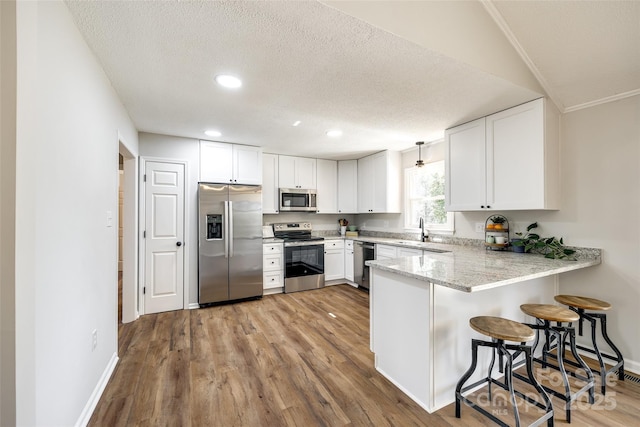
(550,247)
(498,219)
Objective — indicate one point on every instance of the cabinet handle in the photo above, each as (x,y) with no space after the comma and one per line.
(482,207)
(488,207)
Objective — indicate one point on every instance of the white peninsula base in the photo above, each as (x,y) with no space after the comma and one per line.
(420,331)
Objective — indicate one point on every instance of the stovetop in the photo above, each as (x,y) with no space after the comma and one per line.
(295,232)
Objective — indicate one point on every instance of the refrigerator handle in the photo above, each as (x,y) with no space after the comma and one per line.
(230,221)
(226,229)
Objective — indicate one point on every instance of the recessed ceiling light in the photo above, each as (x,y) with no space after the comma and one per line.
(228,81)
(212,133)
(296,123)
(334,133)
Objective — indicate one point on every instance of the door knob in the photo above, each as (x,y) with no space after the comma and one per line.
(179,244)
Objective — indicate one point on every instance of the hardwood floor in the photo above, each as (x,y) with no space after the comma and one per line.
(279,361)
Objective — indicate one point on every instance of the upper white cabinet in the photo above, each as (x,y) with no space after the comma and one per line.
(269,183)
(327,186)
(296,172)
(347,186)
(506,161)
(230,163)
(379,183)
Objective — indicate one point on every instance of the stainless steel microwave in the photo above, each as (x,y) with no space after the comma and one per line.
(298,200)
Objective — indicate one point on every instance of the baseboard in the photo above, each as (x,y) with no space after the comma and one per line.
(273,291)
(193,305)
(85,416)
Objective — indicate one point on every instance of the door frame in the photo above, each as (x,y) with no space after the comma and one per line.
(130,233)
(142,224)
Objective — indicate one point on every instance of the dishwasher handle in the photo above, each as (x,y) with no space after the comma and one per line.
(365,245)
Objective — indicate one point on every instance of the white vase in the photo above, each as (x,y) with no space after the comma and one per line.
(343,230)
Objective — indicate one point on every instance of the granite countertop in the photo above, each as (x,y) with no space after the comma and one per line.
(269,240)
(470,269)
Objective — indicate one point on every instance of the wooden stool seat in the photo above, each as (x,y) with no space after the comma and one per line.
(583,302)
(502,329)
(550,312)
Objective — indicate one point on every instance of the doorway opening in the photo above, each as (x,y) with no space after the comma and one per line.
(127,234)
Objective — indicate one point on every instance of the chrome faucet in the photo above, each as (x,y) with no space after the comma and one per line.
(423,236)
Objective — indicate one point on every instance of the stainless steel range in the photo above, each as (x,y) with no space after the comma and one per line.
(304,256)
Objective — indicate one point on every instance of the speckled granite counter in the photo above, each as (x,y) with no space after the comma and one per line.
(470,269)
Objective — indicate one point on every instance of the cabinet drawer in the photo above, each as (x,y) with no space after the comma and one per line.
(272,248)
(272,279)
(272,262)
(333,244)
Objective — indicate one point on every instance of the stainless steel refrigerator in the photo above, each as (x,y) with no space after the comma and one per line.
(230,242)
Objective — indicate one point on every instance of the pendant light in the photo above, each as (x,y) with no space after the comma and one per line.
(420,163)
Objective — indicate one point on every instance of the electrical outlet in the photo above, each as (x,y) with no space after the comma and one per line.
(479,227)
(94,339)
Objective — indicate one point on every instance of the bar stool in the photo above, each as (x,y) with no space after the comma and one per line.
(501,330)
(579,304)
(555,337)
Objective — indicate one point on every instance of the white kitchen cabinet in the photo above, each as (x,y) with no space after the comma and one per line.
(379,183)
(505,161)
(348,186)
(327,186)
(333,259)
(270,183)
(296,172)
(230,163)
(386,252)
(272,266)
(348,261)
(405,252)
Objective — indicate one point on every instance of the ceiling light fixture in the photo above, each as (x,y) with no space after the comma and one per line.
(420,163)
(296,123)
(334,133)
(228,81)
(212,133)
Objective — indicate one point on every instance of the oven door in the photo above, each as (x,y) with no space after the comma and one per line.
(303,260)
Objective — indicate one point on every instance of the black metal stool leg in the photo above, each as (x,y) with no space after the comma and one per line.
(603,327)
(532,380)
(583,365)
(508,377)
(467,375)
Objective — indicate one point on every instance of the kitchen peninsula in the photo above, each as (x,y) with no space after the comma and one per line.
(420,309)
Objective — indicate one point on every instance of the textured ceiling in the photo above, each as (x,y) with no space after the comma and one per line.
(298,60)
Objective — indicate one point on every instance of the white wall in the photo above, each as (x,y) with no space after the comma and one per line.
(600,180)
(188,150)
(68,121)
(7,212)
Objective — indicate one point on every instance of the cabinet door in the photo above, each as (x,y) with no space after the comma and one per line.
(247,165)
(365,185)
(404,252)
(333,259)
(348,260)
(287,172)
(465,183)
(379,180)
(269,183)
(347,186)
(327,186)
(386,252)
(515,137)
(305,172)
(216,162)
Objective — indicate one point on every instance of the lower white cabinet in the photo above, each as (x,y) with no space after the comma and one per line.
(386,252)
(333,259)
(272,266)
(404,252)
(390,252)
(348,260)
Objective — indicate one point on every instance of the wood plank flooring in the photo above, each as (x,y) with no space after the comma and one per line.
(280,361)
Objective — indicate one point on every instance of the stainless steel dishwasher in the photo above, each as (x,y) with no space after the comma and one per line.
(362,252)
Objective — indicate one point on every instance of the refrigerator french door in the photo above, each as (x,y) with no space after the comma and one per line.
(230,242)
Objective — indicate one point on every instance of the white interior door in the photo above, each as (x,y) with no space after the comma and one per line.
(164,232)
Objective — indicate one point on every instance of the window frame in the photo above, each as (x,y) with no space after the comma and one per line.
(446,228)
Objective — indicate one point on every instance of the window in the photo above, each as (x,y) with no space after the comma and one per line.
(424,197)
